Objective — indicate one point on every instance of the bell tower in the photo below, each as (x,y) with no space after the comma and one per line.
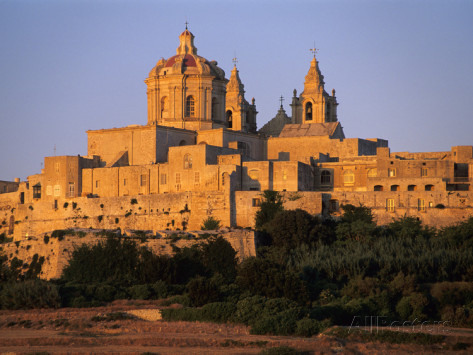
(314,105)
(239,114)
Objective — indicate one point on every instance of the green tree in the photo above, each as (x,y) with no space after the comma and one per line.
(357,223)
(218,256)
(272,203)
(210,224)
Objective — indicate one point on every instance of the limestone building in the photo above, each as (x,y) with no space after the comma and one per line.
(200,154)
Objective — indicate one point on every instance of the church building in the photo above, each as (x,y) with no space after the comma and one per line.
(199,154)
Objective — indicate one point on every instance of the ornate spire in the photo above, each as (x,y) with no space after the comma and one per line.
(314,80)
(235,84)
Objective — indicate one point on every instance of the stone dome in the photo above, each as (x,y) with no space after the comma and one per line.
(186,61)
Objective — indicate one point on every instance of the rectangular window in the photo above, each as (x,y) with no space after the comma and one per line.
(423,172)
(390,205)
(71,189)
(391,172)
(57,190)
(178,178)
(197,177)
(49,190)
(421,205)
(97,184)
(37,191)
(163,179)
(143,180)
(124,182)
(56,167)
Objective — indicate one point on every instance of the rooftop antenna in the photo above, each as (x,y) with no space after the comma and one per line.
(314,50)
(55,150)
(281,99)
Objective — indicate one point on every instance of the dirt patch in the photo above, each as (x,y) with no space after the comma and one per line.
(121,328)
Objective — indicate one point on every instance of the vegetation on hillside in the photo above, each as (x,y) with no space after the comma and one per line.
(309,273)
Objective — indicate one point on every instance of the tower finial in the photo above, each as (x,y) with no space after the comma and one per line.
(281,99)
(314,50)
(187,22)
(235,61)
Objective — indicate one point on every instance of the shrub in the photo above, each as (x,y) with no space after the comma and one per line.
(140,292)
(219,312)
(133,201)
(179,299)
(307,327)
(202,291)
(29,294)
(65,204)
(283,323)
(160,289)
(210,223)
(105,293)
(100,218)
(59,234)
(74,205)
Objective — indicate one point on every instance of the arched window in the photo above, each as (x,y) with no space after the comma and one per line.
(378,188)
(327,112)
(411,188)
(325,177)
(394,187)
(164,107)
(308,111)
(183,142)
(348,177)
(187,161)
(372,173)
(214,108)
(429,188)
(190,106)
(228,116)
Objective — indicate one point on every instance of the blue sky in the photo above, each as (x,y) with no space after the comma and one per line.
(402,70)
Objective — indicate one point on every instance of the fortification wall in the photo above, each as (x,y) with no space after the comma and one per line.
(440,208)
(247,203)
(144,212)
(57,253)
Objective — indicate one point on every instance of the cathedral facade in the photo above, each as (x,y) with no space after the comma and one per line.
(200,154)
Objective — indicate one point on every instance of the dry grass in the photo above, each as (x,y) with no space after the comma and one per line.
(112,330)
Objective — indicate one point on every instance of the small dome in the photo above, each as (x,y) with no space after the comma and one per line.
(187,33)
(189,60)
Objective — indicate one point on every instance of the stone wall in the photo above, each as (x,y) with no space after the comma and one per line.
(143,212)
(57,253)
(433,208)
